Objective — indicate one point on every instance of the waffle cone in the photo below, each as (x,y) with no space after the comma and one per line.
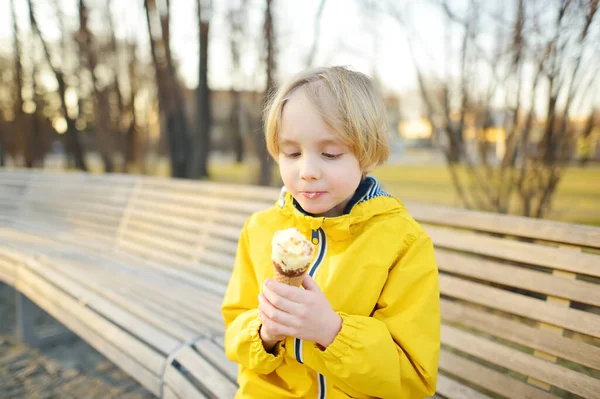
(295,281)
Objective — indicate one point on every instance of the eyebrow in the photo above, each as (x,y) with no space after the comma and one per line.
(321,142)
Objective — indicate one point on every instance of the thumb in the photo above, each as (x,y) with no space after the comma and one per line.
(309,284)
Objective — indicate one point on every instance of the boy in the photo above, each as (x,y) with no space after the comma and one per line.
(367,322)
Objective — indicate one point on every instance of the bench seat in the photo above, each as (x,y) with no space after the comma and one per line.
(137,267)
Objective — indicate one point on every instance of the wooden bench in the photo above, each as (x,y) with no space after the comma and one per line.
(137,267)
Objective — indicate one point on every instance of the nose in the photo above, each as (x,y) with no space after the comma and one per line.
(309,169)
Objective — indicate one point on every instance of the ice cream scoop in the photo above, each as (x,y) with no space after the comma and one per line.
(291,256)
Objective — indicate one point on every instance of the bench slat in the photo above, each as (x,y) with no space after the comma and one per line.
(36,289)
(488,379)
(520,362)
(571,319)
(179,273)
(518,277)
(452,389)
(550,257)
(506,224)
(181,386)
(210,377)
(130,358)
(216,355)
(510,330)
(178,215)
(125,320)
(144,310)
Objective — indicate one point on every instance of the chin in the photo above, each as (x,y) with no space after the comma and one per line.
(315,209)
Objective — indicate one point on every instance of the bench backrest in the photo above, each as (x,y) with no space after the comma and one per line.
(520,297)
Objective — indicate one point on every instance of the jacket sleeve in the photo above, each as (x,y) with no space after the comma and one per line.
(243,344)
(394,353)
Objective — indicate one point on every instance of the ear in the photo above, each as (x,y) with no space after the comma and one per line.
(370,168)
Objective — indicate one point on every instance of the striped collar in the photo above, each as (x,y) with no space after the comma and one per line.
(368,188)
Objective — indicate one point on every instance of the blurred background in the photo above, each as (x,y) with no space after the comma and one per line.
(492,105)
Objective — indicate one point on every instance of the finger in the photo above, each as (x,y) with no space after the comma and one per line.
(309,284)
(275,314)
(273,328)
(279,302)
(293,294)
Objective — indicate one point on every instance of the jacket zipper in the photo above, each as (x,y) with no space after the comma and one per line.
(318,238)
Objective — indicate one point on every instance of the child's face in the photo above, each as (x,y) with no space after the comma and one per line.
(319,170)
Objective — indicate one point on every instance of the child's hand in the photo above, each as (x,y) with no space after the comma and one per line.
(304,314)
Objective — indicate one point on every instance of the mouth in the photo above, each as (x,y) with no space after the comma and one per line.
(312,194)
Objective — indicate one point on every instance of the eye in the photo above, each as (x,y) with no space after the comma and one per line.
(331,156)
(293,155)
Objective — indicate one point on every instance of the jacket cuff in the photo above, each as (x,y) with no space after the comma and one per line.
(345,341)
(261,356)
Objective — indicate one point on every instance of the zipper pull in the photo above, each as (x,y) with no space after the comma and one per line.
(315,237)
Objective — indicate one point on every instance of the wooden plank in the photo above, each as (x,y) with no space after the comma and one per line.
(174,273)
(178,235)
(246,191)
(559,331)
(125,320)
(488,379)
(143,310)
(219,340)
(216,355)
(51,299)
(162,245)
(513,331)
(506,224)
(7,269)
(180,386)
(135,367)
(199,321)
(452,389)
(216,203)
(535,309)
(185,216)
(539,255)
(141,245)
(7,278)
(206,373)
(520,362)
(200,228)
(519,277)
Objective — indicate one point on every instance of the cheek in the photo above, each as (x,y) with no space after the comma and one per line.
(286,170)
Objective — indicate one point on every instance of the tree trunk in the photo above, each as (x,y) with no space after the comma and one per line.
(176,125)
(266,163)
(103,128)
(201,140)
(20,122)
(132,140)
(74,147)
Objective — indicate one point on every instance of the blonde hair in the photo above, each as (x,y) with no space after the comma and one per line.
(348,103)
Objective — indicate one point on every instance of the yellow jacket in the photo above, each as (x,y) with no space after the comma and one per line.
(377,268)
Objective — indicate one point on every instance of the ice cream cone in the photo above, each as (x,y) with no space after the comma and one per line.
(294,279)
(291,256)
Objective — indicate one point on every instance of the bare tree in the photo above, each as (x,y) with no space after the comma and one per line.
(19,123)
(198,167)
(170,98)
(74,147)
(89,51)
(266,163)
(238,120)
(534,151)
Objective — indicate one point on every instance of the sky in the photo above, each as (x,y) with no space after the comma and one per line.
(344,36)
(375,45)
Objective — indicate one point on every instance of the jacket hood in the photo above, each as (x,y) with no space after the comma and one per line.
(370,201)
